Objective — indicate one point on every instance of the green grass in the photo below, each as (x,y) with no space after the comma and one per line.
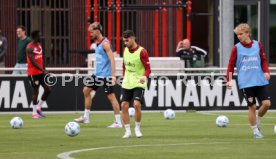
(190,135)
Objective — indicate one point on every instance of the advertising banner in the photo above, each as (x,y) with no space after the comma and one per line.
(176,92)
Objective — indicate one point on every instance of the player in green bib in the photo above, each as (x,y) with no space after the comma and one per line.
(136,69)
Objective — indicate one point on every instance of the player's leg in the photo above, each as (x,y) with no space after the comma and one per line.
(264,97)
(137,104)
(47,91)
(88,91)
(251,102)
(34,81)
(109,90)
(262,110)
(126,97)
(126,120)
(252,115)
(35,102)
(85,118)
(116,108)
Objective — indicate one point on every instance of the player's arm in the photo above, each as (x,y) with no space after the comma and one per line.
(107,48)
(29,51)
(145,60)
(231,66)
(124,67)
(178,48)
(264,63)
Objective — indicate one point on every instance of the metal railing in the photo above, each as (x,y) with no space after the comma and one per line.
(154,71)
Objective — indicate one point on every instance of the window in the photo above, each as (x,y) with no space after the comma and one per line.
(51,18)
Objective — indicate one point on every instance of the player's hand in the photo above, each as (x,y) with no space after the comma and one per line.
(113,80)
(142,79)
(267,76)
(228,85)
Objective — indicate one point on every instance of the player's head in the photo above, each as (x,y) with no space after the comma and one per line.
(186,44)
(242,28)
(20,31)
(35,35)
(95,30)
(243,32)
(129,38)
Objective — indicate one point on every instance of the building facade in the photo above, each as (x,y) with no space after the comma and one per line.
(63,24)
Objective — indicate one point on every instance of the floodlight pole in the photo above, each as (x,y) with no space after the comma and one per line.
(155,32)
(88,16)
(164,30)
(109,20)
(189,10)
(179,23)
(118,26)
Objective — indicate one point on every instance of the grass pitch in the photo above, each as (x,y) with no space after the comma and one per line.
(189,135)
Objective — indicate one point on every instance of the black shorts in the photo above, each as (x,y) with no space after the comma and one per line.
(37,80)
(135,93)
(251,93)
(96,82)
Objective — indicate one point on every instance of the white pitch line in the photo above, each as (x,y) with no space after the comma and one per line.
(66,155)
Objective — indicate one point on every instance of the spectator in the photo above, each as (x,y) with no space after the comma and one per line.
(23,40)
(193,56)
(3,50)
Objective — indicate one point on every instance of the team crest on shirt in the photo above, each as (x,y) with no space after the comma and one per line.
(38,50)
(36,82)
(250,99)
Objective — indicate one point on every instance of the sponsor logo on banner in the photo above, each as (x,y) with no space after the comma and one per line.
(13,95)
(202,94)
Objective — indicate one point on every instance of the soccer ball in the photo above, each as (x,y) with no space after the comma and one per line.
(16,123)
(131,112)
(169,114)
(222,121)
(72,129)
(275,129)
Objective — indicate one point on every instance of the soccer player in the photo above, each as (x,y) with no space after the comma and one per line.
(136,69)
(104,75)
(36,73)
(253,75)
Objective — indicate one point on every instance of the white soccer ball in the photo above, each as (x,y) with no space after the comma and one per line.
(16,123)
(131,112)
(222,121)
(72,129)
(169,114)
(275,129)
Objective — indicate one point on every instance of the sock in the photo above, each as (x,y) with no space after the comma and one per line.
(41,102)
(258,119)
(127,127)
(255,129)
(34,108)
(118,118)
(86,113)
(137,125)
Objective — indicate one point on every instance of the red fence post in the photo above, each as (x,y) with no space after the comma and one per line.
(164,31)
(189,10)
(179,23)
(118,26)
(155,33)
(109,21)
(88,16)
(96,10)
